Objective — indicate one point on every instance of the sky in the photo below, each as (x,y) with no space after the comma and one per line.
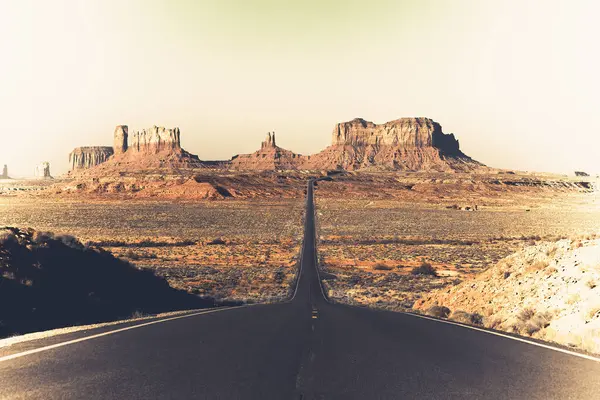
(516,81)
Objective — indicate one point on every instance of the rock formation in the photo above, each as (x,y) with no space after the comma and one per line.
(269,141)
(269,157)
(43,170)
(403,132)
(155,140)
(4,172)
(404,144)
(120,139)
(157,149)
(87,157)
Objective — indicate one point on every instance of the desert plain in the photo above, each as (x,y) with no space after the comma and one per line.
(404,219)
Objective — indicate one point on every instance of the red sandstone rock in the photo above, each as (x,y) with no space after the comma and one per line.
(87,157)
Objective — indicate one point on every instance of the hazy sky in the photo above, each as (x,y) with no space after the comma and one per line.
(516,81)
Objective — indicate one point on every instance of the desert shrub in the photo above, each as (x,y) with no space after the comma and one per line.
(461,316)
(424,269)
(529,322)
(591,284)
(279,276)
(517,326)
(438,311)
(7,238)
(493,322)
(132,255)
(593,312)
(217,241)
(467,318)
(538,265)
(526,314)
(382,267)
(551,252)
(40,237)
(540,320)
(70,241)
(476,319)
(354,280)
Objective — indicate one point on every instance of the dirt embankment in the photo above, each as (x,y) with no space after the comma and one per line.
(549,291)
(49,281)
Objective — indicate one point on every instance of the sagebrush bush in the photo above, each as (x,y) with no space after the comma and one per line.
(438,311)
(424,269)
(526,314)
(7,238)
(467,318)
(382,267)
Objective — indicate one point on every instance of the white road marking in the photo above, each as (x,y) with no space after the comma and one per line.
(56,345)
(545,346)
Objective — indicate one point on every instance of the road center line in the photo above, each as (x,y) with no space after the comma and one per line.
(57,345)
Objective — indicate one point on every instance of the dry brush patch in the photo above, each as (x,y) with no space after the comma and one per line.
(546,291)
(49,281)
(232,251)
(368,250)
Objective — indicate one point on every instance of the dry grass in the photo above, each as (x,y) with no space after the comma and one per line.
(554,299)
(234,251)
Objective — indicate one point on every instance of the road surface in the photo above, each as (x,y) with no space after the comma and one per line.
(306,348)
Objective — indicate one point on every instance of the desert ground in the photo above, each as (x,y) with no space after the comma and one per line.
(375,231)
(385,239)
(231,251)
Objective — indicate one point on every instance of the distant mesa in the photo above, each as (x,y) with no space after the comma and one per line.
(42,170)
(152,148)
(410,144)
(4,172)
(581,173)
(270,157)
(404,144)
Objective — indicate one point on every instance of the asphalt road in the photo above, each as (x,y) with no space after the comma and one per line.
(307,348)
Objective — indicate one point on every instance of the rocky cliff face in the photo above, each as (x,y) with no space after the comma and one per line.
(155,140)
(269,141)
(404,144)
(402,133)
(157,149)
(120,139)
(87,157)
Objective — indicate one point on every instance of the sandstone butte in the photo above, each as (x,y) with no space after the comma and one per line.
(410,144)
